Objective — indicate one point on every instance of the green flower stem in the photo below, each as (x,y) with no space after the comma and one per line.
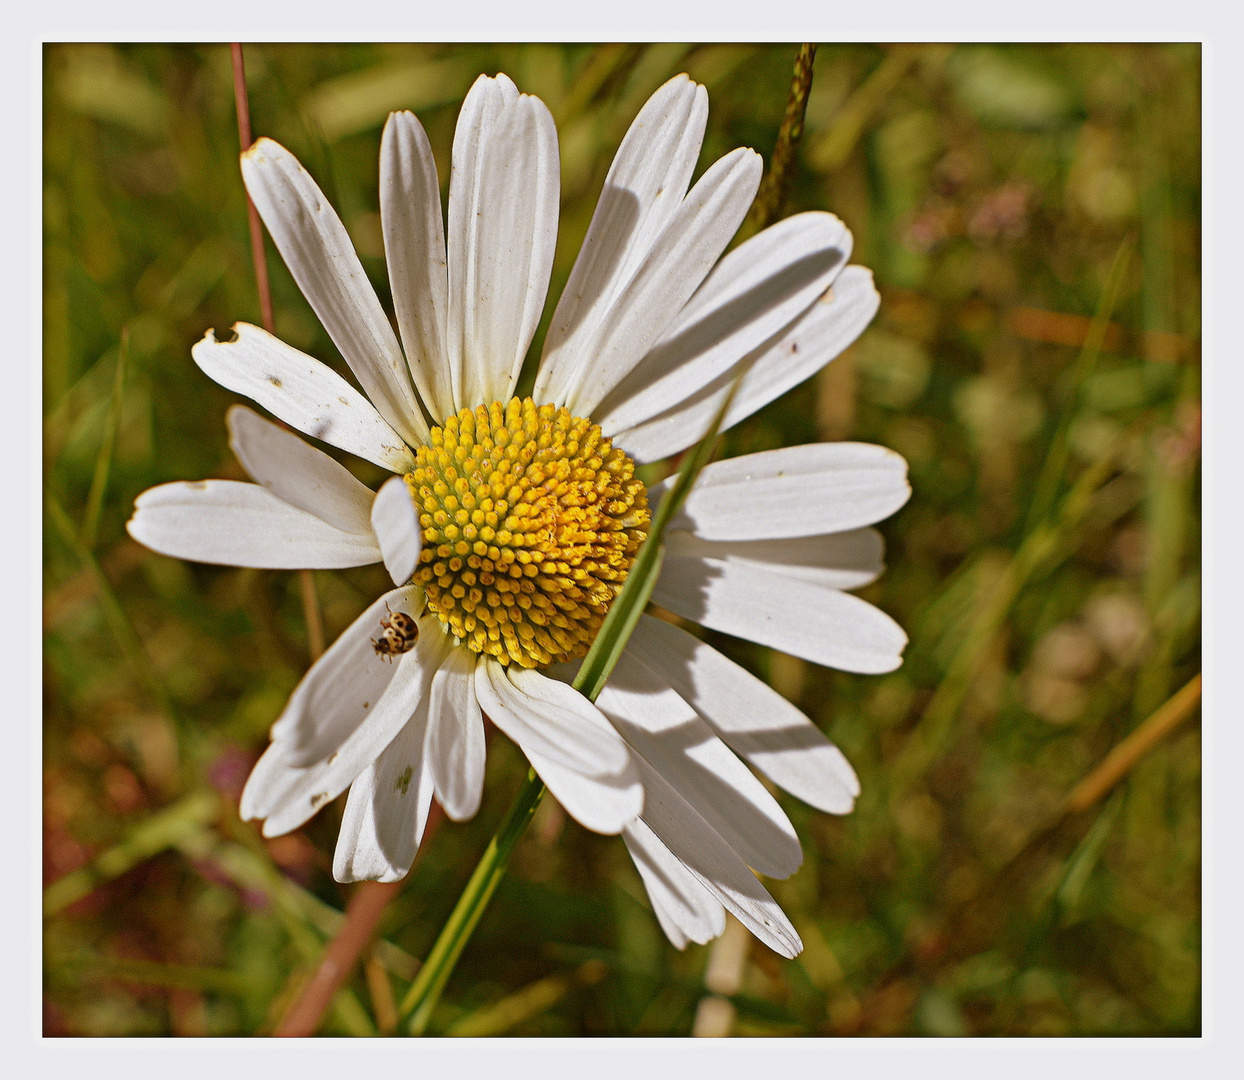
(424,993)
(426,990)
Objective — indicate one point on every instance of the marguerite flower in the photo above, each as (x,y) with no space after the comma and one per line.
(511,524)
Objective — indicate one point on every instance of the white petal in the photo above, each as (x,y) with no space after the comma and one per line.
(715,864)
(297,473)
(754,719)
(286,788)
(604,804)
(387,810)
(822,625)
(786,360)
(756,291)
(396,524)
(794,491)
(644,187)
(455,740)
(573,748)
(235,524)
(550,718)
(686,910)
(414,250)
(306,394)
(844,560)
(339,690)
(317,249)
(509,92)
(670,272)
(503,200)
(666,732)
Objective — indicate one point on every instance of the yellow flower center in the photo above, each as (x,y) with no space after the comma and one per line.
(531,520)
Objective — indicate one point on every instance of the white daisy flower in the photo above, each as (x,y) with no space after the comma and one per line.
(510,525)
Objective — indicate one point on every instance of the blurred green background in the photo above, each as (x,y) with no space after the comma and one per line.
(1046,567)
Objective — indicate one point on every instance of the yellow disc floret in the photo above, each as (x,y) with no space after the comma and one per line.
(531,520)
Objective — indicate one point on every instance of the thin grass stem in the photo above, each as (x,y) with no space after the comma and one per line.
(527,1003)
(1041,549)
(1123,758)
(306,581)
(832,149)
(164,829)
(311,612)
(1055,465)
(103,460)
(380,990)
(118,621)
(767,206)
(258,255)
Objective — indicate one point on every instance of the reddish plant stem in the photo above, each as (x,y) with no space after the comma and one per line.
(311,609)
(370,899)
(244,137)
(310,603)
(363,912)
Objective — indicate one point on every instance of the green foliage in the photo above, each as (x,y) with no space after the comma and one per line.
(990,188)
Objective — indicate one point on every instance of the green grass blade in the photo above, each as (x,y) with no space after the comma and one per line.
(118,622)
(103,460)
(1051,477)
(162,830)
